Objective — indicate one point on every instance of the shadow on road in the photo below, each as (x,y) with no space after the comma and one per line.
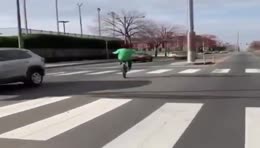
(66,88)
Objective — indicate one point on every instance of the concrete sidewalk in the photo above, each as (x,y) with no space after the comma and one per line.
(78,63)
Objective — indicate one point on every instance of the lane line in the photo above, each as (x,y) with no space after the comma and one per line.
(28,105)
(190,71)
(252,70)
(161,129)
(50,74)
(102,72)
(221,71)
(48,128)
(252,130)
(132,71)
(159,71)
(73,73)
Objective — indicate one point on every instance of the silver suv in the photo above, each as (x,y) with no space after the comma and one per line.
(21,65)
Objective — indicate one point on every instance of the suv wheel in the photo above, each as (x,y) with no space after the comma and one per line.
(34,78)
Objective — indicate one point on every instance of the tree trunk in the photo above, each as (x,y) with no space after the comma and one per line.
(155,52)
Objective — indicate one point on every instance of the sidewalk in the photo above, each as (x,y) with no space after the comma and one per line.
(77,63)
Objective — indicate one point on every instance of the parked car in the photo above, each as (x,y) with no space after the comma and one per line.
(179,55)
(21,65)
(142,57)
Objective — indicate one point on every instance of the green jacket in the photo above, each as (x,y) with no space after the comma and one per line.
(124,54)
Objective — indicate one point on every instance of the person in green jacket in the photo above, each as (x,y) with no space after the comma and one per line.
(125,55)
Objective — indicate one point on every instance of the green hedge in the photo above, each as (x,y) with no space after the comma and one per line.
(54,41)
(8,42)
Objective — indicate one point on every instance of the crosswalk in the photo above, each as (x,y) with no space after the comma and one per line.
(189,71)
(163,127)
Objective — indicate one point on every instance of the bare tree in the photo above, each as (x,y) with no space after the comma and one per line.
(125,24)
(156,34)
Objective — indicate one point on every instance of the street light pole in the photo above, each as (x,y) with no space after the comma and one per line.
(57,16)
(20,40)
(64,25)
(191,34)
(238,42)
(25,16)
(80,18)
(99,21)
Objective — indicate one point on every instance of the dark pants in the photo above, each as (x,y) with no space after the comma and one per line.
(129,64)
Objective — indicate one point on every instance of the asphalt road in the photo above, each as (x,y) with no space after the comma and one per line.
(160,105)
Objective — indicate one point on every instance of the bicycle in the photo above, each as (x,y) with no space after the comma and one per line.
(124,69)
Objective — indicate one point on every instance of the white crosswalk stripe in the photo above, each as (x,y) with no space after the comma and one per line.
(28,105)
(102,72)
(190,71)
(252,70)
(72,73)
(161,129)
(252,131)
(221,71)
(58,124)
(53,74)
(133,71)
(160,71)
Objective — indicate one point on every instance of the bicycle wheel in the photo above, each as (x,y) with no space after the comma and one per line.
(124,70)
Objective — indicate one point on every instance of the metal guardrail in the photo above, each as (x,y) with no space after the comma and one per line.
(13,32)
(34,31)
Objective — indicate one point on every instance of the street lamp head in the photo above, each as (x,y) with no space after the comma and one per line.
(80,4)
(64,21)
(98,9)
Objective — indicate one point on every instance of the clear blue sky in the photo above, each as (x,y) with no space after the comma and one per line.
(223,18)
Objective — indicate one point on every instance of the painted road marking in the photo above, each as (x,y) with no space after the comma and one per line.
(161,129)
(189,71)
(133,71)
(73,73)
(252,131)
(159,71)
(102,72)
(28,105)
(57,73)
(48,128)
(220,71)
(252,71)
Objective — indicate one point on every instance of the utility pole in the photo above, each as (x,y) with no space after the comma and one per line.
(238,42)
(113,14)
(191,34)
(126,41)
(20,39)
(99,21)
(80,18)
(25,16)
(57,16)
(113,21)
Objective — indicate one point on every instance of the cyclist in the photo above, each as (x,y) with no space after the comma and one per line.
(125,55)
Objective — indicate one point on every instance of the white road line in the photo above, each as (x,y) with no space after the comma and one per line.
(159,71)
(189,71)
(48,128)
(73,73)
(28,105)
(220,71)
(162,129)
(57,73)
(102,72)
(252,131)
(132,71)
(252,71)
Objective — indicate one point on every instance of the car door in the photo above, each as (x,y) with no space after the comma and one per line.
(16,64)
